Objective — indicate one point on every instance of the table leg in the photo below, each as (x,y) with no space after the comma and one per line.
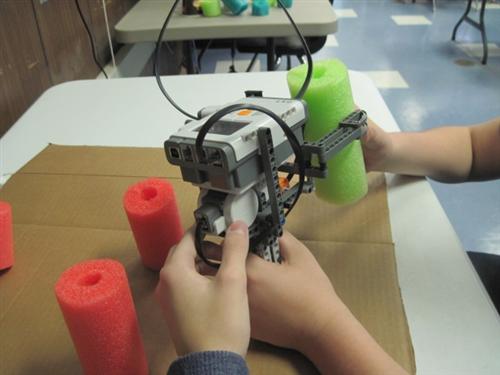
(464,16)
(478,25)
(271,46)
(482,28)
(189,57)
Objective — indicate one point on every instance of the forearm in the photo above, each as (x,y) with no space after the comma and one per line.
(443,154)
(486,150)
(345,347)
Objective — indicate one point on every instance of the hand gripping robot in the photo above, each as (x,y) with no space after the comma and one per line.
(238,154)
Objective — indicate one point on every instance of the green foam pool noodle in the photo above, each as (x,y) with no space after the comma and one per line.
(329,101)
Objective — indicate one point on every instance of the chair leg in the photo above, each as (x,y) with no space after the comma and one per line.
(301,60)
(232,68)
(482,28)
(202,53)
(464,16)
(270,47)
(190,62)
(277,62)
(288,62)
(252,62)
(478,25)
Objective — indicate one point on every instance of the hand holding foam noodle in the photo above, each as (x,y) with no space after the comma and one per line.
(329,100)
(95,299)
(153,215)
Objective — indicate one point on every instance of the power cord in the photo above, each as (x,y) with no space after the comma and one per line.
(157,63)
(91,38)
(157,54)
(305,85)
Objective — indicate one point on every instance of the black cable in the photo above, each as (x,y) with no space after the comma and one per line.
(202,52)
(91,38)
(299,95)
(198,239)
(157,63)
(294,143)
(305,85)
(307,80)
(232,68)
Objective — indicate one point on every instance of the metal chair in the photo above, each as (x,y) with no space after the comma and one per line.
(276,48)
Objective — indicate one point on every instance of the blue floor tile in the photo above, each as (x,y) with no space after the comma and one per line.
(446,87)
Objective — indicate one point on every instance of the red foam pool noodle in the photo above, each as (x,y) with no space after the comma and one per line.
(6,236)
(153,215)
(97,305)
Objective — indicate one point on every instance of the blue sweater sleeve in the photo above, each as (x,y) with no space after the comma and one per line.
(209,363)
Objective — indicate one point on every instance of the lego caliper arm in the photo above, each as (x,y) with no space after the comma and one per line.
(316,154)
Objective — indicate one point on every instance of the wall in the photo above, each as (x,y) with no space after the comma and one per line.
(43,43)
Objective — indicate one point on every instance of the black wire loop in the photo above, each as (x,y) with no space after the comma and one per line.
(157,54)
(294,143)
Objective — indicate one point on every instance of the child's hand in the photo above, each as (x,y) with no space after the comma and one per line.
(292,302)
(377,147)
(207,313)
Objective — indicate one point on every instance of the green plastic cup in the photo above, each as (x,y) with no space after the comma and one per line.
(211,8)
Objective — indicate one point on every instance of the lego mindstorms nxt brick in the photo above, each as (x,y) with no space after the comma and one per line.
(234,155)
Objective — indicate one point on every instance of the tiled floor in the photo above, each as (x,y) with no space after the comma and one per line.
(346,13)
(411,20)
(427,81)
(387,79)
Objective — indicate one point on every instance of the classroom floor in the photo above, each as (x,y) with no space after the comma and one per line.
(426,80)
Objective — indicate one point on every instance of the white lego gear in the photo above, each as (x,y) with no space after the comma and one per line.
(242,207)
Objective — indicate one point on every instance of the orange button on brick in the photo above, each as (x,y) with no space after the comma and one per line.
(244,112)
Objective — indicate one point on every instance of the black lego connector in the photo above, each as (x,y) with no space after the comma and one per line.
(253,93)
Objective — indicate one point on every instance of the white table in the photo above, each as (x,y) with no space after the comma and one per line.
(454,327)
(143,22)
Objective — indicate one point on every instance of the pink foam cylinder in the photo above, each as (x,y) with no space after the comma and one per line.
(95,299)
(154,218)
(6,236)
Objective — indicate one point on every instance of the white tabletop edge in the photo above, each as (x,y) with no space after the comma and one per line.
(143,22)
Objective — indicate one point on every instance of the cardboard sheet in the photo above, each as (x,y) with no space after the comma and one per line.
(94,179)
(67,208)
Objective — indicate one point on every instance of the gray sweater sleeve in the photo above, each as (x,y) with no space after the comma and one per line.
(209,363)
